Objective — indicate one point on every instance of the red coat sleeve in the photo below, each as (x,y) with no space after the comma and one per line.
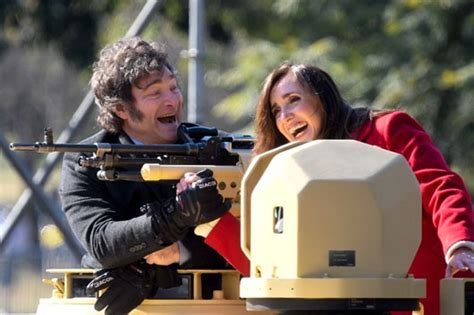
(444,195)
(225,239)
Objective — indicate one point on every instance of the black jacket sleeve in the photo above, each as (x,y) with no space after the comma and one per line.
(106,216)
(107,223)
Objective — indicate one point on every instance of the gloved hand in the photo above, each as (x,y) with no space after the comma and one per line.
(198,204)
(201,203)
(128,286)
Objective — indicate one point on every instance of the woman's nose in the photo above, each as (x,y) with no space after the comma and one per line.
(286,113)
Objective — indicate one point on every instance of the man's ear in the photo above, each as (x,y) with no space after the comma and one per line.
(121,112)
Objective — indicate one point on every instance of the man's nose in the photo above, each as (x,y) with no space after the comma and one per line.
(172,99)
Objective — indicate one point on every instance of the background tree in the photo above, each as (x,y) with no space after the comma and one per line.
(412,55)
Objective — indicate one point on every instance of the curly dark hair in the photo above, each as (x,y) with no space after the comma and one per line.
(119,66)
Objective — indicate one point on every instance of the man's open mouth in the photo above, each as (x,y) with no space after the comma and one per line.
(167,119)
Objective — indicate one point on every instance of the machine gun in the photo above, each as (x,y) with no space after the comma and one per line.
(199,147)
(227,155)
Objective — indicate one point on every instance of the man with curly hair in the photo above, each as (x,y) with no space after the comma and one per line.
(136,233)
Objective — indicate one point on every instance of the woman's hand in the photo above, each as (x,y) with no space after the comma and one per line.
(164,257)
(462,259)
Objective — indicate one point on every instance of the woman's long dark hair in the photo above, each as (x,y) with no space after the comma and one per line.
(339,118)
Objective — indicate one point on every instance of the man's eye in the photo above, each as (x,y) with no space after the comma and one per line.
(154,93)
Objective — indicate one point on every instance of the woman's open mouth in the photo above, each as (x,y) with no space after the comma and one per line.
(298,130)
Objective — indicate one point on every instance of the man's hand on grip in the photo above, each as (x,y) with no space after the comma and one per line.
(199,202)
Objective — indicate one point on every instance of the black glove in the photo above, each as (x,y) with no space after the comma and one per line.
(128,286)
(198,204)
(201,202)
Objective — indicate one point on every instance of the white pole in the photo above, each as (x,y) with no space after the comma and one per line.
(195,55)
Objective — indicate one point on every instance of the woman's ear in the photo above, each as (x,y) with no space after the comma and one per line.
(121,112)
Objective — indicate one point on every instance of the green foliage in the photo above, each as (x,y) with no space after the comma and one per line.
(410,54)
(71,25)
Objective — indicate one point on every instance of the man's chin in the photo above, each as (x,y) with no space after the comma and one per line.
(169,138)
(168,132)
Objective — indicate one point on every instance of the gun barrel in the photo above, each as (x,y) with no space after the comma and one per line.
(22,147)
(42,147)
(46,148)
(186,149)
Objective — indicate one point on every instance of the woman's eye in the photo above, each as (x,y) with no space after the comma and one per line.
(293,99)
(275,112)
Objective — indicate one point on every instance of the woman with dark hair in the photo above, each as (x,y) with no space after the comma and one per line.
(338,119)
(302,103)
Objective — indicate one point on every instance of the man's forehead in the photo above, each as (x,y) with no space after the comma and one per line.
(154,77)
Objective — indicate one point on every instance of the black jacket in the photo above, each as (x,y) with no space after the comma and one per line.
(106,218)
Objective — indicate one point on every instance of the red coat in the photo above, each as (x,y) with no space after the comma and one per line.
(447,210)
